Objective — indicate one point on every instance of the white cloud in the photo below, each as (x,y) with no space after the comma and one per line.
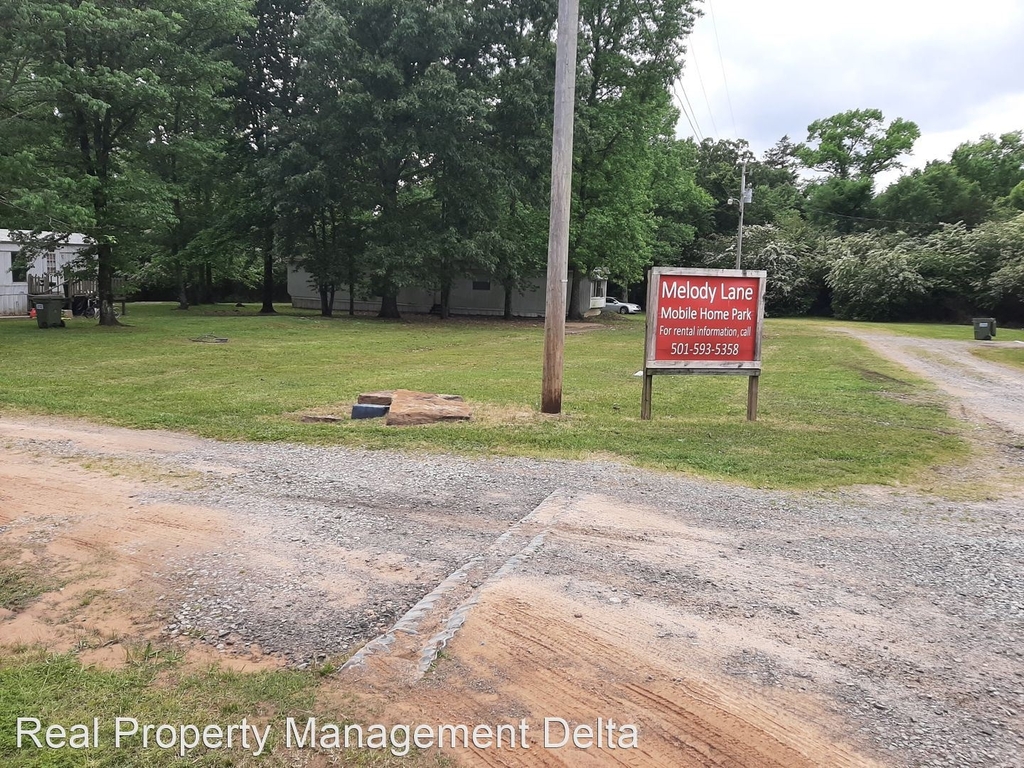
(954,69)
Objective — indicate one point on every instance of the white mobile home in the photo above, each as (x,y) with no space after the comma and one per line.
(46,270)
(469,296)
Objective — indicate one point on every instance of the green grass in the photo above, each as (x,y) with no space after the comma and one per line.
(936,330)
(155,688)
(1011,356)
(832,413)
(21,584)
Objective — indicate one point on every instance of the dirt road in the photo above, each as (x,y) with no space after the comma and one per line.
(732,626)
(983,390)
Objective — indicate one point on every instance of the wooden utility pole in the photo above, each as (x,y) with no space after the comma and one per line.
(561,197)
(743,200)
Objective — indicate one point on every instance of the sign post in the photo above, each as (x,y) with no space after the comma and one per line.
(704,321)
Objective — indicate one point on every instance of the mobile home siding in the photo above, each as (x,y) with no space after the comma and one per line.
(468,297)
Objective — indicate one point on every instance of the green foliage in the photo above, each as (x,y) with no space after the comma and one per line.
(839,204)
(873,278)
(1001,245)
(857,144)
(997,165)
(115,77)
(930,197)
(627,64)
(682,209)
(1016,197)
(791,285)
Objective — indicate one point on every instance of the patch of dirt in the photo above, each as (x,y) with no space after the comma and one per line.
(90,533)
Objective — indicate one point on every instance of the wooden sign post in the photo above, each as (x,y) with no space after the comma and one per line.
(704,321)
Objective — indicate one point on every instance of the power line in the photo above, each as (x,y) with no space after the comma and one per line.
(696,66)
(694,125)
(721,61)
(63,224)
(881,221)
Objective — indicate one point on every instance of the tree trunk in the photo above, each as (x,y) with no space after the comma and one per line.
(106,286)
(182,294)
(268,273)
(208,282)
(327,300)
(508,301)
(446,302)
(351,281)
(389,304)
(574,312)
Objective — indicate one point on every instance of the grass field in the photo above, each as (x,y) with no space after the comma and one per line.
(832,413)
(939,331)
(1012,356)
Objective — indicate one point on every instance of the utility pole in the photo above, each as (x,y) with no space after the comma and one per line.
(743,199)
(561,198)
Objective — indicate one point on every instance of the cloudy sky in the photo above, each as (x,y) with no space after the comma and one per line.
(956,69)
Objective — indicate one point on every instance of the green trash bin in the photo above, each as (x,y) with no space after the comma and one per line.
(984,328)
(48,310)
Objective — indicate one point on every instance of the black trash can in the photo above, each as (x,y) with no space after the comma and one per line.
(48,310)
(984,328)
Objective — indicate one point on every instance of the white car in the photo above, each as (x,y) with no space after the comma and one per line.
(622,307)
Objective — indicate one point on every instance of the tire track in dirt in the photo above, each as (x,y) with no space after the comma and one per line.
(526,656)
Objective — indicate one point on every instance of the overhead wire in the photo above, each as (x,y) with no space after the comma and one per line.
(721,61)
(692,110)
(63,224)
(711,114)
(690,115)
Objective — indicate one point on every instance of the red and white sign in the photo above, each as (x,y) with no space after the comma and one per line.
(705,319)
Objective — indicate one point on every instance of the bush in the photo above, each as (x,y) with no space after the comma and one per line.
(790,289)
(872,279)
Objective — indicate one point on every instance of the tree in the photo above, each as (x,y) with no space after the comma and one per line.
(874,278)
(1016,197)
(628,59)
(718,171)
(924,199)
(391,83)
(997,165)
(791,283)
(518,143)
(838,204)
(110,71)
(682,209)
(856,144)
(999,247)
(264,95)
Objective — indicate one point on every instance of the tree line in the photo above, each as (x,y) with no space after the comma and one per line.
(386,143)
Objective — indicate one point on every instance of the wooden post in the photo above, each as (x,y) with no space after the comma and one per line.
(561,197)
(645,398)
(752,385)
